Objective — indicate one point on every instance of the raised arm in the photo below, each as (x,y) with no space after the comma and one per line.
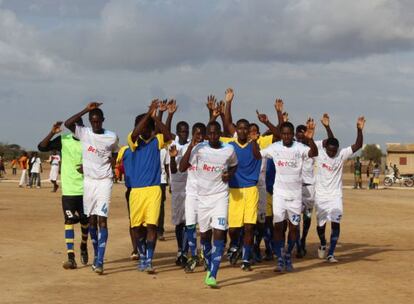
(325,120)
(185,160)
(279,111)
(228,119)
(162,107)
(70,123)
(173,154)
(45,144)
(360,138)
(171,109)
(310,132)
(139,128)
(255,147)
(265,120)
(211,104)
(162,128)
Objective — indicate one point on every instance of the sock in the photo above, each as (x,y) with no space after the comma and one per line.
(94,237)
(185,244)
(258,237)
(84,230)
(234,243)
(334,239)
(291,245)
(192,239)
(150,250)
(297,241)
(216,255)
(321,234)
(206,245)
(141,246)
(179,237)
(103,237)
(69,239)
(278,247)
(247,249)
(268,239)
(306,226)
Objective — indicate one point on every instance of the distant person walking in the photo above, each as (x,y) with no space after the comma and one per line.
(35,170)
(23,166)
(14,163)
(375,176)
(357,174)
(54,161)
(2,169)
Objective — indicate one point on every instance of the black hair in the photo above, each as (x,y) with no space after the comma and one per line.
(301,128)
(214,123)
(151,123)
(245,121)
(254,125)
(182,124)
(332,142)
(287,124)
(199,125)
(98,112)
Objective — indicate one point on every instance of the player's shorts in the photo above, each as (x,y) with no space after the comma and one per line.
(357,178)
(308,197)
(54,173)
(72,206)
(284,208)
(376,181)
(191,209)
(178,207)
(261,213)
(269,204)
(144,206)
(212,211)
(243,203)
(328,210)
(97,196)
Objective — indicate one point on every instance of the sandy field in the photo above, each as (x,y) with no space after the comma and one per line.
(375,253)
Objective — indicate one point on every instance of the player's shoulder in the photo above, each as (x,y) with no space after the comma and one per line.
(110,133)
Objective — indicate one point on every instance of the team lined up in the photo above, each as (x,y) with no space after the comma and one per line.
(255,186)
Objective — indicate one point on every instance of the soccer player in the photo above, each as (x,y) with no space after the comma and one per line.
(54,161)
(308,187)
(145,196)
(35,170)
(288,156)
(99,149)
(328,197)
(72,189)
(216,163)
(23,166)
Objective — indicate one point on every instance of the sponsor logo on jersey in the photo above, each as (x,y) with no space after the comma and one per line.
(287,163)
(209,168)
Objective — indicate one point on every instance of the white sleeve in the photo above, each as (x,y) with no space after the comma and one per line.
(266,153)
(194,154)
(233,159)
(346,153)
(80,132)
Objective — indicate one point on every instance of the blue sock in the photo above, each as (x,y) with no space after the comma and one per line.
(192,239)
(277,248)
(103,237)
(298,242)
(185,244)
(94,238)
(216,255)
(206,245)
(179,237)
(268,238)
(141,246)
(150,250)
(247,249)
(334,240)
(291,245)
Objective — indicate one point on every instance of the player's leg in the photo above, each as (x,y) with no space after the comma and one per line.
(102,242)
(178,220)
(335,216)
(191,204)
(160,225)
(322,218)
(134,252)
(84,223)
(70,220)
(235,216)
(307,218)
(93,232)
(293,223)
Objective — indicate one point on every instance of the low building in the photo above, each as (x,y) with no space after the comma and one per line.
(401,155)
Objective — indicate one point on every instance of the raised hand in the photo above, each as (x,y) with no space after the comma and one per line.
(211,102)
(222,106)
(173,151)
(57,127)
(152,109)
(163,105)
(310,128)
(262,117)
(279,105)
(172,106)
(229,94)
(93,105)
(285,116)
(325,120)
(361,122)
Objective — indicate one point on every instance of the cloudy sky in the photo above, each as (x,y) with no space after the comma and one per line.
(346,58)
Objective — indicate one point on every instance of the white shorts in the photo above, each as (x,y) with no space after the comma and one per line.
(96,196)
(308,197)
(328,210)
(261,214)
(284,208)
(177,208)
(54,173)
(213,211)
(191,209)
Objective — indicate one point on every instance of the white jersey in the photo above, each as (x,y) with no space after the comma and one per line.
(289,163)
(54,160)
(36,163)
(329,175)
(97,151)
(308,176)
(210,164)
(163,160)
(178,180)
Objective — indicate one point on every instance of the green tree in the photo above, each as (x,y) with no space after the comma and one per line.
(372,152)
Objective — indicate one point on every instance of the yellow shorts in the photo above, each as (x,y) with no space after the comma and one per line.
(269,204)
(243,205)
(144,206)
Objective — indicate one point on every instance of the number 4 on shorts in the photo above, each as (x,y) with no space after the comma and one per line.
(104,209)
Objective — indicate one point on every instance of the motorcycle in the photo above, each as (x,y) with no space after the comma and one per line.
(391,179)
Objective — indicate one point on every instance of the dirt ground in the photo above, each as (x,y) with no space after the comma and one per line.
(375,253)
